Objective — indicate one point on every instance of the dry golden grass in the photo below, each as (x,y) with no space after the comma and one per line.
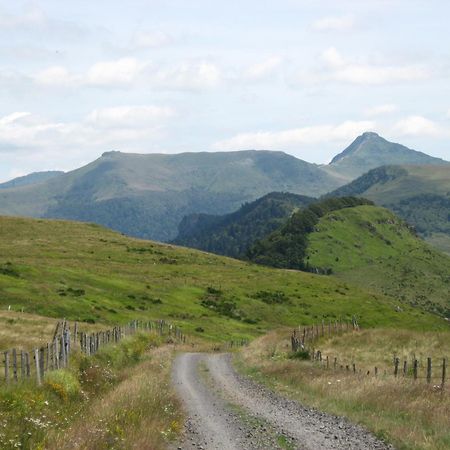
(412,415)
(25,331)
(141,412)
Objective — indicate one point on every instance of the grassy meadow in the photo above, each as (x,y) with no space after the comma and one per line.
(411,415)
(87,273)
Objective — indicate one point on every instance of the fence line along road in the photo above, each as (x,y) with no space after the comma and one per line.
(304,339)
(56,354)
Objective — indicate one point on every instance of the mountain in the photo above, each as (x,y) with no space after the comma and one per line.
(370,150)
(418,194)
(32,178)
(232,234)
(148,195)
(88,273)
(363,244)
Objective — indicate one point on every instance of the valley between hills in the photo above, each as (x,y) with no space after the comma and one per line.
(259,249)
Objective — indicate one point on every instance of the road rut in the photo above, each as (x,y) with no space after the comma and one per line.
(228,411)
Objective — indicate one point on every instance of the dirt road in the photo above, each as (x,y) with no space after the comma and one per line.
(227,411)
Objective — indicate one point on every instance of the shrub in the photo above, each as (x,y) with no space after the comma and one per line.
(63,383)
(300,354)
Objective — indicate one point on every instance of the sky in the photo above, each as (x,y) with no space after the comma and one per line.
(78,78)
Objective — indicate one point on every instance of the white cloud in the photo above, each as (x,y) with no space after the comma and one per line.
(333,58)
(127,127)
(129,116)
(334,23)
(263,69)
(56,76)
(13,117)
(291,138)
(338,68)
(189,76)
(381,110)
(116,73)
(419,126)
(131,71)
(112,73)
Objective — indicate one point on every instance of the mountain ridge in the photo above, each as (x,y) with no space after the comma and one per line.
(147,195)
(31,178)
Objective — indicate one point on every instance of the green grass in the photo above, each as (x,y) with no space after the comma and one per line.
(85,272)
(371,247)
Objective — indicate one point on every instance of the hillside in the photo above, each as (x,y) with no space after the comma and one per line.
(418,194)
(87,273)
(148,195)
(232,234)
(32,178)
(366,245)
(370,150)
(286,247)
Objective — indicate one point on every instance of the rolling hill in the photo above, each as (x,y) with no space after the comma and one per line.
(370,150)
(418,194)
(148,195)
(363,244)
(88,273)
(232,234)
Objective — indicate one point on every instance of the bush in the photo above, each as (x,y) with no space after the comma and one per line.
(63,383)
(300,354)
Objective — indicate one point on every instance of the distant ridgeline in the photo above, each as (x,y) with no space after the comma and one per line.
(232,234)
(287,247)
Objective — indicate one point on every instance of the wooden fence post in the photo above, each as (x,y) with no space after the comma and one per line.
(22,365)
(47,358)
(41,360)
(415,368)
(63,351)
(396,361)
(404,368)
(444,362)
(27,364)
(14,362)
(7,366)
(428,370)
(38,368)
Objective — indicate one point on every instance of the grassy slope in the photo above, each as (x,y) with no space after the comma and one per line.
(123,278)
(371,247)
(411,415)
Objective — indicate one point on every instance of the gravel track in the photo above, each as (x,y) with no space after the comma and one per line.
(228,411)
